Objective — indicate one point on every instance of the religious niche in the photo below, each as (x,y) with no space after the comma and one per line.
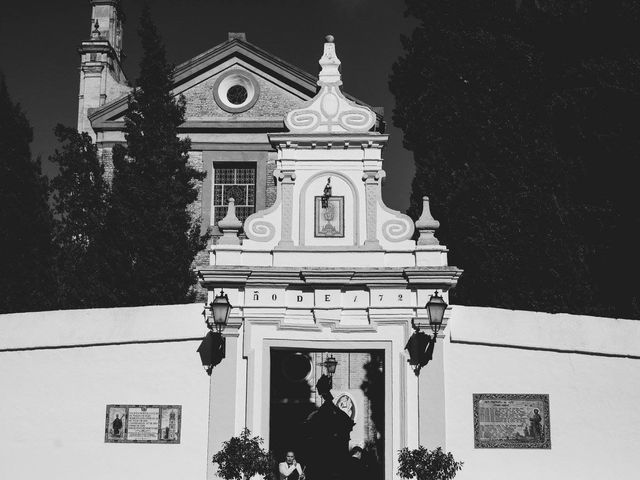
(329,217)
(143,424)
(511,420)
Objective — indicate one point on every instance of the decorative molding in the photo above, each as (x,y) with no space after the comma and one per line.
(258,229)
(443,278)
(397,229)
(283,141)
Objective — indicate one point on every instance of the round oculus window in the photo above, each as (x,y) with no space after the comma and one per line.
(236,91)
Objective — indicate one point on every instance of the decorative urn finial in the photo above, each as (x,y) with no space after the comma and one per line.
(230,226)
(427,225)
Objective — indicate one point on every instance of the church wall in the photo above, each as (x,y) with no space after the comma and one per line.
(55,391)
(589,367)
(60,369)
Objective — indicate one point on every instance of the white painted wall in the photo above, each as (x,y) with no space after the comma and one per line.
(59,370)
(590,367)
(54,399)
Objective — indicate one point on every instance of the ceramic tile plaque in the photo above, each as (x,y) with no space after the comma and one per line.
(503,420)
(329,221)
(143,424)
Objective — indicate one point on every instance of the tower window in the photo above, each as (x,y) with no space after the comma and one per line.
(239,183)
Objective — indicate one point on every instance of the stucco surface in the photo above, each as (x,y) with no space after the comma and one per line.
(60,369)
(54,404)
(593,394)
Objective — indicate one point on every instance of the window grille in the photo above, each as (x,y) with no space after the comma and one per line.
(236,183)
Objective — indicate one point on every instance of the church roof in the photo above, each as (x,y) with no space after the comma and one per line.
(109,116)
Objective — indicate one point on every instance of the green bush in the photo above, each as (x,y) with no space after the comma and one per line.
(423,464)
(243,457)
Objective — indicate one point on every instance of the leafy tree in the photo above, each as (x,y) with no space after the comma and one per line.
(153,239)
(423,464)
(510,109)
(81,202)
(243,457)
(25,237)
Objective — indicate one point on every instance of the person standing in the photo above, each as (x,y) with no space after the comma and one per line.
(290,469)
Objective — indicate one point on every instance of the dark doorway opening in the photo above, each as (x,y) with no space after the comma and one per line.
(357,390)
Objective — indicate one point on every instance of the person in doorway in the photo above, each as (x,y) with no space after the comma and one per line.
(290,469)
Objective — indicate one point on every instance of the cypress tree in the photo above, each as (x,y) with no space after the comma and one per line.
(520,118)
(25,237)
(81,202)
(153,238)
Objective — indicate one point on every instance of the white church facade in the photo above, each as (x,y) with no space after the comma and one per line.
(324,280)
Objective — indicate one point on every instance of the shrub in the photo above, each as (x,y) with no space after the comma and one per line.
(243,457)
(423,464)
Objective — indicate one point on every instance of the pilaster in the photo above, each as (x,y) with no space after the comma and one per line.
(371,179)
(287,180)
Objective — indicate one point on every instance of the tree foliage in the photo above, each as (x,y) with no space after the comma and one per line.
(423,464)
(25,236)
(153,238)
(521,118)
(81,201)
(243,457)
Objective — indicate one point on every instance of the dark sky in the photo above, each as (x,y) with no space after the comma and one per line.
(39,40)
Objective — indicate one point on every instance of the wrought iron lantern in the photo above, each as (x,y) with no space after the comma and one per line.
(435,308)
(420,345)
(330,364)
(216,314)
(326,194)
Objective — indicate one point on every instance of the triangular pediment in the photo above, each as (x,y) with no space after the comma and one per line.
(275,87)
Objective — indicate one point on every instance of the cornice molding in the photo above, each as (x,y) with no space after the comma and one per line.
(430,277)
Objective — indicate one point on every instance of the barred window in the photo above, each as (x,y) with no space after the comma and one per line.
(237,183)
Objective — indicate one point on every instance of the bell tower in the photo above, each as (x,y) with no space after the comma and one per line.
(102,78)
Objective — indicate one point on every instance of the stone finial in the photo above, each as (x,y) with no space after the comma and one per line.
(330,64)
(230,226)
(427,225)
(329,111)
